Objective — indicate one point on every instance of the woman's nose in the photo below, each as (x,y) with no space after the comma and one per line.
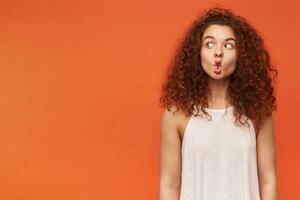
(218,51)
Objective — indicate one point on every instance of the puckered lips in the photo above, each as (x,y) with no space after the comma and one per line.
(217,67)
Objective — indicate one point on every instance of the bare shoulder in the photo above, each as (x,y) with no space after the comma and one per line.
(267,126)
(170,150)
(266,151)
(169,119)
(176,119)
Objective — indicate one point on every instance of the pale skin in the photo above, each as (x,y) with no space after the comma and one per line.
(218,46)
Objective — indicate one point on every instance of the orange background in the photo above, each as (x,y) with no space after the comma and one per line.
(80,83)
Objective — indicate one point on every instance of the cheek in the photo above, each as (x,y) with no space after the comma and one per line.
(231,65)
(232,59)
(205,56)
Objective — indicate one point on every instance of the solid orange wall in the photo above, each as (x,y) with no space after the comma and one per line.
(80,83)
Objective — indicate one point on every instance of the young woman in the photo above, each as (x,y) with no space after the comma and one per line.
(217,129)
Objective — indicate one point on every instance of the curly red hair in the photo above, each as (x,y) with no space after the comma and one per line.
(251,90)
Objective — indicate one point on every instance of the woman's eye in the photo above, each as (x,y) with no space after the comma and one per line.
(211,44)
(230,45)
(208,44)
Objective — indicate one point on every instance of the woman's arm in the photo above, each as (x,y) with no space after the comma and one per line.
(170,158)
(266,153)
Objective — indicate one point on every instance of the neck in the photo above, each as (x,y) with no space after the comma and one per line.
(218,96)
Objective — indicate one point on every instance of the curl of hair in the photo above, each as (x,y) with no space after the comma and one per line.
(250,91)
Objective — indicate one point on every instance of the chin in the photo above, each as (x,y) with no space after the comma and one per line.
(218,76)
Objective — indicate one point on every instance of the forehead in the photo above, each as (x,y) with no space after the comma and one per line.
(219,32)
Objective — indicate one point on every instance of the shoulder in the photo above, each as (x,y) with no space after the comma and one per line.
(267,123)
(266,151)
(266,126)
(172,120)
(172,117)
(170,149)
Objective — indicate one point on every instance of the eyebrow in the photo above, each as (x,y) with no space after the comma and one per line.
(214,38)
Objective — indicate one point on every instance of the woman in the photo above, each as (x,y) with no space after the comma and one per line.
(217,129)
